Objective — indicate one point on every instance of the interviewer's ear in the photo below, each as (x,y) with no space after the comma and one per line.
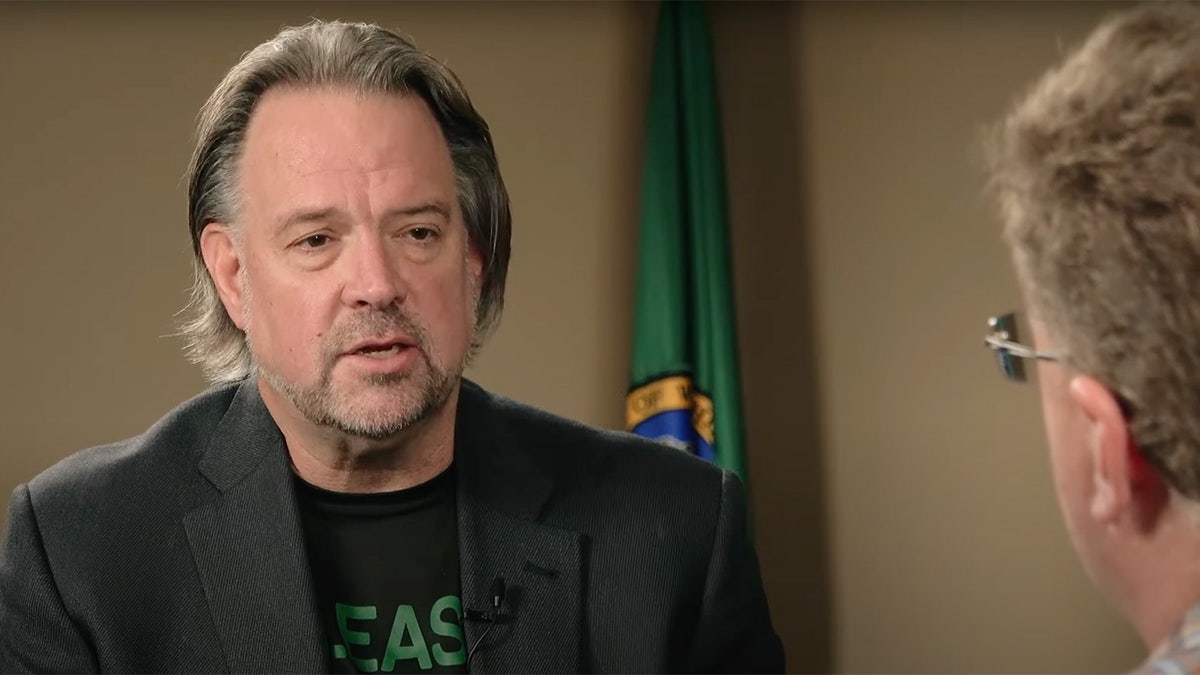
(1123,483)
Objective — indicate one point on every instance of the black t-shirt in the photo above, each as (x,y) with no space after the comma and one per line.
(385,570)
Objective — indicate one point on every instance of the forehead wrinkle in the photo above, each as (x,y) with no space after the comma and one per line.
(370,169)
(406,190)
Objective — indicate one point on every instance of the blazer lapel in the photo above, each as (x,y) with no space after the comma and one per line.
(500,498)
(249,548)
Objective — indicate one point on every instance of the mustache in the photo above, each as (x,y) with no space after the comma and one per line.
(375,324)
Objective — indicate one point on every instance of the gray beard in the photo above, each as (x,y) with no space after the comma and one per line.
(427,389)
(415,396)
(427,393)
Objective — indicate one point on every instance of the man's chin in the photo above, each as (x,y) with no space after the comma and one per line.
(377,407)
(370,430)
(379,412)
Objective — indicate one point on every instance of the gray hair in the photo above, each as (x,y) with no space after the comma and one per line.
(366,58)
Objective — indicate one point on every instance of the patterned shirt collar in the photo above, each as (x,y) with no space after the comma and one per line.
(1179,654)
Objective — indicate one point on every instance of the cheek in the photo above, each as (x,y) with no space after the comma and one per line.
(1069,459)
(1056,421)
(285,319)
(447,306)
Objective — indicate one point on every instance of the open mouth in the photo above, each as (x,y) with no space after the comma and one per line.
(380,351)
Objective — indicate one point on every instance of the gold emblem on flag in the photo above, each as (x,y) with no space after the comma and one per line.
(675,392)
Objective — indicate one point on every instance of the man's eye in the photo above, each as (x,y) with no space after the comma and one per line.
(421,233)
(315,241)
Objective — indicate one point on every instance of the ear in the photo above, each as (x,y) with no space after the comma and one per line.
(224,265)
(475,266)
(1123,483)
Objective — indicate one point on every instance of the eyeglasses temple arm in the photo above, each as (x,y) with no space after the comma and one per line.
(1018,349)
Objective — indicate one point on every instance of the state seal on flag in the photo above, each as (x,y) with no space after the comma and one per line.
(671,410)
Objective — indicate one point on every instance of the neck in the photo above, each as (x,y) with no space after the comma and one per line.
(336,461)
(1171,553)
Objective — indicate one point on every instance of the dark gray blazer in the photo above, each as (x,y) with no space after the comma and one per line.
(181,550)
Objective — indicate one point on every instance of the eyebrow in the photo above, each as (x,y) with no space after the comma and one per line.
(437,208)
(333,213)
(306,216)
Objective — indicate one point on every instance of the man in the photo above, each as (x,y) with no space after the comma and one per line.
(342,499)
(1097,174)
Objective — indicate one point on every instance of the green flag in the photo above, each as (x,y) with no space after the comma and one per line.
(684,381)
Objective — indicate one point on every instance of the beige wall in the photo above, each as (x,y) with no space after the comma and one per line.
(903,506)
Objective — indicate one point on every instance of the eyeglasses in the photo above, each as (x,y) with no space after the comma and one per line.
(1002,339)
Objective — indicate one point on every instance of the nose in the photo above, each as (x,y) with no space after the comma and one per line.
(372,275)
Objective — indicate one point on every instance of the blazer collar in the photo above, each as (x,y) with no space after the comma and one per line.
(248,546)
(496,469)
(504,496)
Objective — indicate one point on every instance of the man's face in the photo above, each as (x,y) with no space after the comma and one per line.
(358,284)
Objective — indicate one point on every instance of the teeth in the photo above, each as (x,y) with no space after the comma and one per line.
(380,353)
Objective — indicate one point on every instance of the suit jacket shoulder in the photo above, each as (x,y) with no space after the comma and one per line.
(576,453)
(654,538)
(97,556)
(615,486)
(104,484)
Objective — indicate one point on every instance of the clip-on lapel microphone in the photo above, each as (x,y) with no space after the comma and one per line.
(490,617)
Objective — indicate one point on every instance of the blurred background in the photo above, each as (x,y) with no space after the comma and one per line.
(903,506)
